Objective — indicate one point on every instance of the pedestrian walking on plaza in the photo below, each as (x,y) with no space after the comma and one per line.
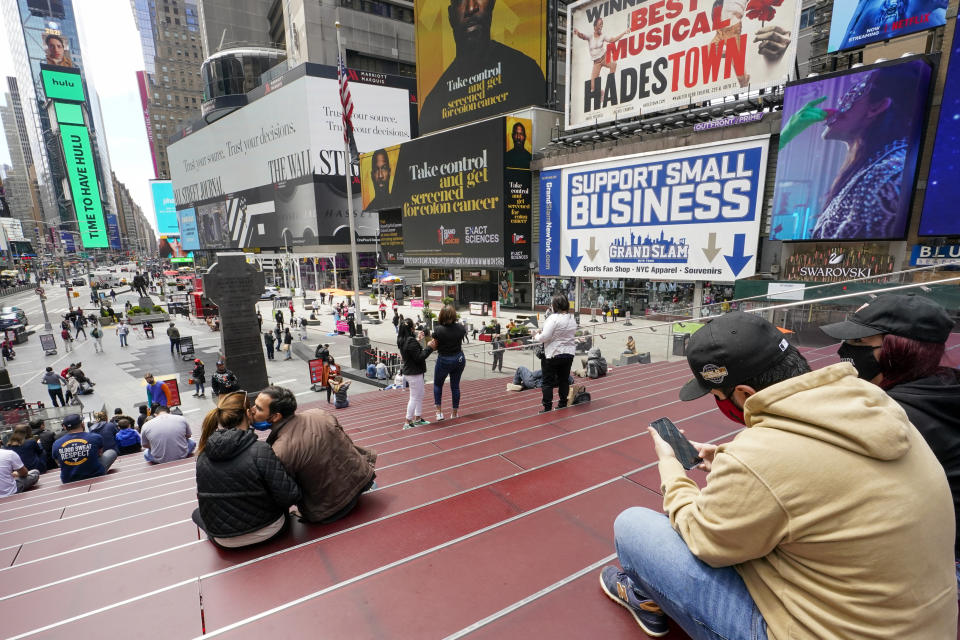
(54,382)
(288,343)
(383,310)
(113,296)
(278,316)
(97,334)
(559,346)
(174,334)
(396,322)
(259,321)
(67,340)
(414,368)
(498,348)
(290,306)
(78,323)
(323,298)
(448,335)
(605,309)
(123,330)
(268,343)
(199,375)
(278,334)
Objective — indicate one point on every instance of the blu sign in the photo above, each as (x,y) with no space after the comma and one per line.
(685,214)
(164,207)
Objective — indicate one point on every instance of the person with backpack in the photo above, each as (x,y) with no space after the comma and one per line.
(594,365)
(498,349)
(322,352)
(67,340)
(97,334)
(199,375)
(123,330)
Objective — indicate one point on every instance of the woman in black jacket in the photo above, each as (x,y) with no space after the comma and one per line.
(414,367)
(448,336)
(199,375)
(243,490)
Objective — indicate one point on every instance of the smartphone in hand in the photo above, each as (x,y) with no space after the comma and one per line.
(686,453)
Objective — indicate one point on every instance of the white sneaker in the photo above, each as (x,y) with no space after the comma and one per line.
(439,416)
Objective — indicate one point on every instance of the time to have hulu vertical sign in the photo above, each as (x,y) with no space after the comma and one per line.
(83,185)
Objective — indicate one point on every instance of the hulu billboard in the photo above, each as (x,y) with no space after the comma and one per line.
(84,186)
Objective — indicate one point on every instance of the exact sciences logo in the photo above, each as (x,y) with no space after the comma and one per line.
(447,236)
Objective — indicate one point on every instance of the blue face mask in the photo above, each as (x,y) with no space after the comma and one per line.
(262,426)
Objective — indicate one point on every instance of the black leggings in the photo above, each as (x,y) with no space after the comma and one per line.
(556,374)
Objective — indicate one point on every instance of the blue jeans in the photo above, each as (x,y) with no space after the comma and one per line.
(708,603)
(452,366)
(201,387)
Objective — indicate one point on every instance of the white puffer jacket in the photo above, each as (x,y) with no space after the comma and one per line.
(559,335)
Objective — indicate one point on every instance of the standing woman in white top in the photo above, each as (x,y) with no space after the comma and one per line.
(598,48)
(559,344)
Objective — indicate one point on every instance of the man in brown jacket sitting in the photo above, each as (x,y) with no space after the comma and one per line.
(329,468)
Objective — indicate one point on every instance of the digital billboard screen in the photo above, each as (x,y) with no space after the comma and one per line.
(477,60)
(62,85)
(628,59)
(460,204)
(849,144)
(187,221)
(939,217)
(84,186)
(855,23)
(164,207)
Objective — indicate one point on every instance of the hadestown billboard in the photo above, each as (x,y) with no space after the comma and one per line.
(628,59)
(272,174)
(683,214)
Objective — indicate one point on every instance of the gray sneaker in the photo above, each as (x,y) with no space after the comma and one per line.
(619,587)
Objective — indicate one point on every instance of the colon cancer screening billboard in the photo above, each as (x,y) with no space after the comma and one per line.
(855,23)
(683,214)
(849,145)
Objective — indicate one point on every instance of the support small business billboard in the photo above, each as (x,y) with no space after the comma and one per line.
(683,214)
(464,195)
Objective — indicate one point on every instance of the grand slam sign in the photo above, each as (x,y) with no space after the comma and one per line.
(687,214)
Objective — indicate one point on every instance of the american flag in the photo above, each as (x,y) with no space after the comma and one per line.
(347,103)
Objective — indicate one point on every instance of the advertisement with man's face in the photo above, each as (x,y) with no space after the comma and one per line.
(478,58)
(855,23)
(460,206)
(272,174)
(625,60)
(377,176)
(848,153)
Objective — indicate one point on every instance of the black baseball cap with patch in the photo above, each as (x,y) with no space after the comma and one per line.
(913,317)
(729,350)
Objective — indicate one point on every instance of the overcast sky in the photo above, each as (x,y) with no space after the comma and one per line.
(110,44)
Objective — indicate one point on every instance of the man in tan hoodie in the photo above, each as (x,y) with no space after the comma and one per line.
(827,517)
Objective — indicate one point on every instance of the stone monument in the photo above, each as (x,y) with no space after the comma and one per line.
(235,287)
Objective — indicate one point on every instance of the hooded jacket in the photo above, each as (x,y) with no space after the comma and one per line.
(833,510)
(933,406)
(328,467)
(414,356)
(241,485)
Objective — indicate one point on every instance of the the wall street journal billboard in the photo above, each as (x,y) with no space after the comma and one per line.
(464,196)
(478,59)
(272,174)
(625,59)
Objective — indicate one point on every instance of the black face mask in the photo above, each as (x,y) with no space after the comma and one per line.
(862,359)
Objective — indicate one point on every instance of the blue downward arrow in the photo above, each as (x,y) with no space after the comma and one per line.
(574,258)
(738,261)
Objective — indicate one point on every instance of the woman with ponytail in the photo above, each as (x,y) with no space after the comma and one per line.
(243,490)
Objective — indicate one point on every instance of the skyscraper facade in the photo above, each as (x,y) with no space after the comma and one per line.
(170,87)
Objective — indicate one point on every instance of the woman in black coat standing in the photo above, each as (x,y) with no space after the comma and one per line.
(243,490)
(414,367)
